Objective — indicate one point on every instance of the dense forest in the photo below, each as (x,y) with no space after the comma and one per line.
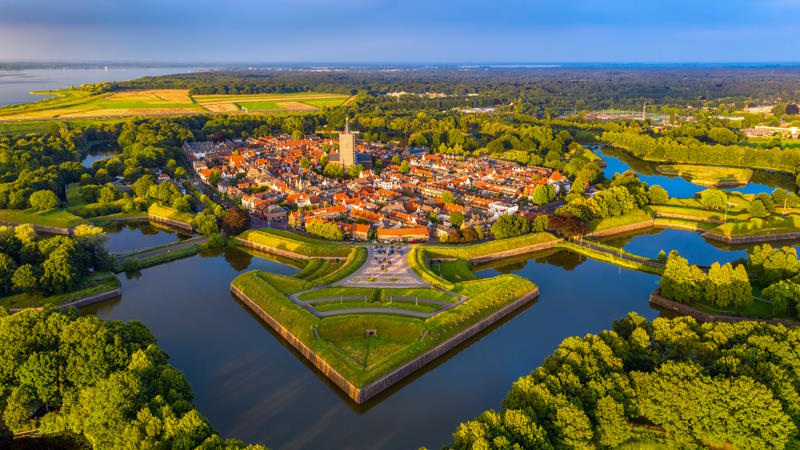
(672,383)
(106,382)
(556,90)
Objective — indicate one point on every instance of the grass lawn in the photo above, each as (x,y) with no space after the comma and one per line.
(58,217)
(455,271)
(486,248)
(377,294)
(297,243)
(164,211)
(756,226)
(637,216)
(400,305)
(757,309)
(91,285)
(682,224)
(342,341)
(708,175)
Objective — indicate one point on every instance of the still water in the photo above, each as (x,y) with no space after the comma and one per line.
(16,85)
(127,237)
(618,161)
(252,387)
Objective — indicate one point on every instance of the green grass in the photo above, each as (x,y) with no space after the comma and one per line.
(58,217)
(640,262)
(637,216)
(400,305)
(323,103)
(317,267)
(161,258)
(488,247)
(296,243)
(164,211)
(342,341)
(91,285)
(455,271)
(682,224)
(377,294)
(756,226)
(707,175)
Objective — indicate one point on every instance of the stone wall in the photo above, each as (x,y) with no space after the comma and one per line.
(622,229)
(516,251)
(281,252)
(376,387)
(42,228)
(81,302)
(171,222)
(702,316)
(754,239)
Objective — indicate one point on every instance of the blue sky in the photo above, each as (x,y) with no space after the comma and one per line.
(401,31)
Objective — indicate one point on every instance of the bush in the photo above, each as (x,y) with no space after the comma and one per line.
(43,200)
(508,226)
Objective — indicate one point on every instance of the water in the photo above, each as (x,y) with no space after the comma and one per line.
(16,85)
(252,387)
(93,156)
(128,237)
(618,161)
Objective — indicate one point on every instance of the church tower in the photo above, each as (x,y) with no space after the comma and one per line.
(347,146)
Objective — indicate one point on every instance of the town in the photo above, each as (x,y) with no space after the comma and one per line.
(407,194)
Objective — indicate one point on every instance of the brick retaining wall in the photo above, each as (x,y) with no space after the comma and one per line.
(622,229)
(754,239)
(376,387)
(171,222)
(281,252)
(517,251)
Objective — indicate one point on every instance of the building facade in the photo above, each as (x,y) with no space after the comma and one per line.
(347,146)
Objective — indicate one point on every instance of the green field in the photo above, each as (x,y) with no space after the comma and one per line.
(59,218)
(708,175)
(297,243)
(169,213)
(635,217)
(77,104)
(488,247)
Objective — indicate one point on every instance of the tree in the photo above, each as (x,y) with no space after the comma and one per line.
(792,109)
(24,279)
(325,230)
(354,171)
(404,169)
(7,268)
(235,221)
(447,197)
(107,194)
(305,163)
(214,178)
(540,223)
(456,219)
(25,233)
(59,272)
(179,173)
(680,281)
(507,226)
(141,187)
(543,193)
(396,159)
(657,195)
(713,199)
(785,298)
(43,200)
(205,222)
(333,170)
(779,197)
(757,209)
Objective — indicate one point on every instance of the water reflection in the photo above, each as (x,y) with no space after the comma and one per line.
(131,236)
(252,386)
(619,161)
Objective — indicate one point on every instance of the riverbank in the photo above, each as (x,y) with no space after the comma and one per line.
(685,310)
(96,288)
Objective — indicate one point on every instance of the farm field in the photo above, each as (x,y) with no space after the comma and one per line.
(78,104)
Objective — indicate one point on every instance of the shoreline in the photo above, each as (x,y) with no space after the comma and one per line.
(86,301)
(686,310)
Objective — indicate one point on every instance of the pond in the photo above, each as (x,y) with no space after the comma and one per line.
(252,387)
(691,245)
(128,237)
(619,161)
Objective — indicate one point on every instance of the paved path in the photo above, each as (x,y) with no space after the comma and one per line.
(169,248)
(398,274)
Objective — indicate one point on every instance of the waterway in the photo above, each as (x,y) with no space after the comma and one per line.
(252,387)
(619,161)
(128,237)
(16,85)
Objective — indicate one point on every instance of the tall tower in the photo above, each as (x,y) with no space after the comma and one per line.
(347,146)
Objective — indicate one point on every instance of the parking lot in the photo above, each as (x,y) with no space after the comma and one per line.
(386,266)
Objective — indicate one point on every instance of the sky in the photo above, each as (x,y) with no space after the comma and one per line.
(414,31)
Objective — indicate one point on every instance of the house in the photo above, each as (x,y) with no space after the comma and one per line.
(360,232)
(416,234)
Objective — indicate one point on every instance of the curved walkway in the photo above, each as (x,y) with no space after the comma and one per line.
(404,276)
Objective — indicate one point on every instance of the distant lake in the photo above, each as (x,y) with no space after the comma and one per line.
(16,85)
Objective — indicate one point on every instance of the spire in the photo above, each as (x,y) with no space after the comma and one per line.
(347,125)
